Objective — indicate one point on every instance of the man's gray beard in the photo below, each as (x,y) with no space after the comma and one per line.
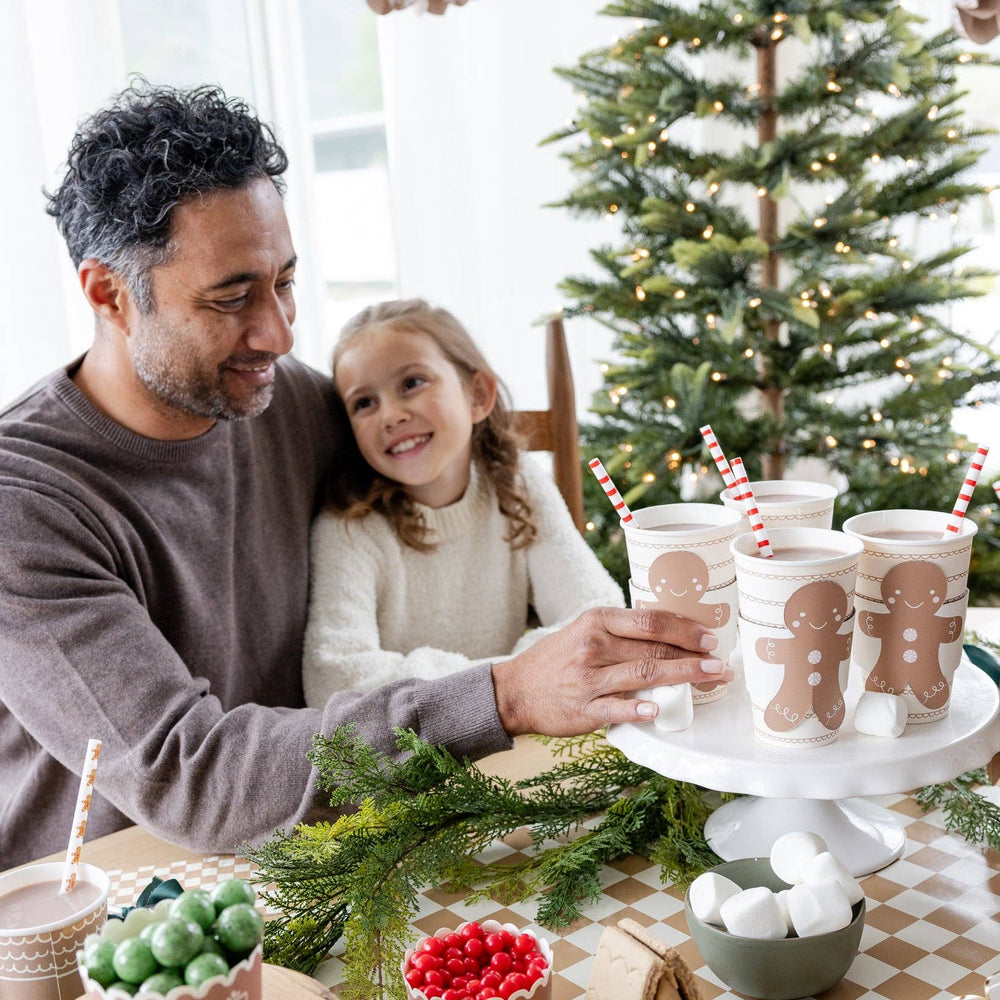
(200,397)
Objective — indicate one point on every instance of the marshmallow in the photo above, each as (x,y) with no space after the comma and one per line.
(818,909)
(675,704)
(826,867)
(782,898)
(791,851)
(880,714)
(754,913)
(707,893)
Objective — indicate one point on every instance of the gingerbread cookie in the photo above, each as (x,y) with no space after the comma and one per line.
(680,581)
(811,657)
(912,633)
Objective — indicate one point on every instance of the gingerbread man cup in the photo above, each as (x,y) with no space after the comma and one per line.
(679,580)
(911,633)
(811,658)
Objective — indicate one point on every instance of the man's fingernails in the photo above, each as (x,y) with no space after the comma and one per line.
(712,666)
(709,641)
(646,708)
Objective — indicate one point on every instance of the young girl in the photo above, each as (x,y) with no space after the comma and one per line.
(440,538)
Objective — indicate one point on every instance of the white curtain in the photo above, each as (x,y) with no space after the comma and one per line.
(468,96)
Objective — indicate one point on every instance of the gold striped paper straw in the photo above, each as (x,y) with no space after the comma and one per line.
(612,491)
(72,864)
(749,502)
(715,450)
(965,493)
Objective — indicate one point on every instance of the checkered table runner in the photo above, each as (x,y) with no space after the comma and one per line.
(932,930)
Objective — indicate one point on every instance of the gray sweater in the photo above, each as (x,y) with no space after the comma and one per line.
(153,595)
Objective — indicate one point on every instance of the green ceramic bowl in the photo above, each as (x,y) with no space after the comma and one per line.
(774,970)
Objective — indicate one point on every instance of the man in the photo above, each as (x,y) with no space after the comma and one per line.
(155,504)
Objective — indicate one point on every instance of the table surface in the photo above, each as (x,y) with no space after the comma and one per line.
(932,930)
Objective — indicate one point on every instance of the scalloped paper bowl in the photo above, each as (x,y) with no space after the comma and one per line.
(243,979)
(540,988)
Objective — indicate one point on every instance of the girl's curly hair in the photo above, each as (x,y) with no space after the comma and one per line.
(358,489)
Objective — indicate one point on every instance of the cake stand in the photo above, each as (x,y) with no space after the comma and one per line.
(813,789)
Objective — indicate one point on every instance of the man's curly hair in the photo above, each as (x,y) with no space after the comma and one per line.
(131,163)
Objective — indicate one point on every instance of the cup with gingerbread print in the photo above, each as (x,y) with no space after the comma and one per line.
(680,561)
(787,503)
(912,597)
(796,623)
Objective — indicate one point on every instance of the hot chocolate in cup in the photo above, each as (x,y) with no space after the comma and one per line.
(788,503)
(911,597)
(41,930)
(796,623)
(680,561)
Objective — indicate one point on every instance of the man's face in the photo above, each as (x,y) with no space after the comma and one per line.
(223,309)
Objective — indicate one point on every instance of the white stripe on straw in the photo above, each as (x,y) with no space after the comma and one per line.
(996,488)
(72,865)
(965,493)
(612,491)
(749,502)
(715,450)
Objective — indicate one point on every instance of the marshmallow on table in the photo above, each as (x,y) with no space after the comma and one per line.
(791,851)
(675,704)
(827,867)
(707,893)
(818,909)
(754,913)
(880,714)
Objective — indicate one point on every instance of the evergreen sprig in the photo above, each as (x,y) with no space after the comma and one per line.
(421,820)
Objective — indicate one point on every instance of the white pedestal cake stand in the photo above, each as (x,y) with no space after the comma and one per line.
(813,789)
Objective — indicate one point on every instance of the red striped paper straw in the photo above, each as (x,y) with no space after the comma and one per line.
(72,864)
(965,493)
(612,491)
(715,450)
(996,488)
(749,502)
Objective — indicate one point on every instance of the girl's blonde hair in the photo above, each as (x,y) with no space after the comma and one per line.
(358,489)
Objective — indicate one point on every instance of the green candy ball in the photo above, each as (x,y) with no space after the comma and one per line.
(212,947)
(204,966)
(196,905)
(133,960)
(120,984)
(98,960)
(239,928)
(161,982)
(232,891)
(175,941)
(147,932)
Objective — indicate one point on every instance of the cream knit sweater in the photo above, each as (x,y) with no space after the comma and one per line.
(381,611)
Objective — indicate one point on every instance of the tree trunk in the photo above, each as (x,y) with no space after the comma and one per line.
(773,459)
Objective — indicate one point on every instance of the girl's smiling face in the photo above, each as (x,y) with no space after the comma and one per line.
(411,411)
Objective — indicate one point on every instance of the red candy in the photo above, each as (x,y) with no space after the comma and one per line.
(475,964)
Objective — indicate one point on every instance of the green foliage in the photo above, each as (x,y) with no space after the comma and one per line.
(772,276)
(421,821)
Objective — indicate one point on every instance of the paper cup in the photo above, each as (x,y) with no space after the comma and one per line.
(911,600)
(796,624)
(38,953)
(723,598)
(787,503)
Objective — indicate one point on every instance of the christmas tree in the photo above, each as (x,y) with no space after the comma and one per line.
(765,162)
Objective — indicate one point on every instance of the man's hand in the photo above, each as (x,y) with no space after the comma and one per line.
(582,677)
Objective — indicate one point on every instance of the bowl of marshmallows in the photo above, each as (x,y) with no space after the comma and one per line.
(782,927)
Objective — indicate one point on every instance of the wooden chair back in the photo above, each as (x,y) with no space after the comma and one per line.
(555,429)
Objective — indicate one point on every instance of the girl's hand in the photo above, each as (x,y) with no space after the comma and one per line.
(582,677)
